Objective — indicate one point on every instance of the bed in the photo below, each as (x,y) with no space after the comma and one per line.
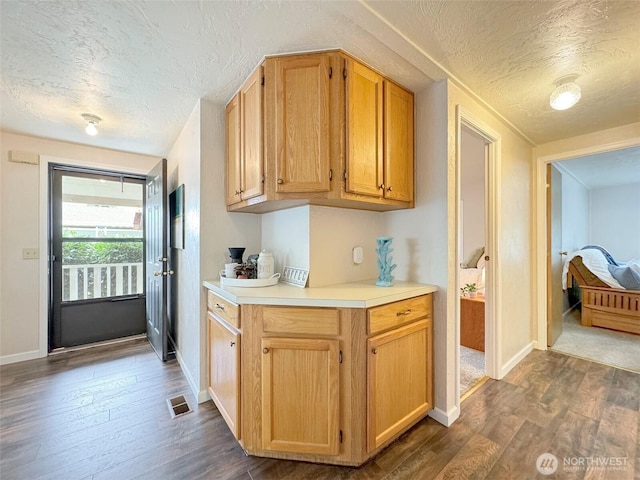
(605,303)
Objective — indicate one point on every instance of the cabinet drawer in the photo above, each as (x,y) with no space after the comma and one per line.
(300,320)
(225,309)
(399,313)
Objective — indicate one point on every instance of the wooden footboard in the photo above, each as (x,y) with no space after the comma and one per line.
(611,308)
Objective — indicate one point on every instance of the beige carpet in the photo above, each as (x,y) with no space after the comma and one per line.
(600,345)
(471,368)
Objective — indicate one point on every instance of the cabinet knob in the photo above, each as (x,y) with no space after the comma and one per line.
(237,192)
(221,307)
(374,351)
(406,312)
(232,344)
(381,186)
(280,181)
(265,350)
(389,189)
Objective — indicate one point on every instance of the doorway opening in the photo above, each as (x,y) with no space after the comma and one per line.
(472,272)
(96,256)
(481,249)
(590,202)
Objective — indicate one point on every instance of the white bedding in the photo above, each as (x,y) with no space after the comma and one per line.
(472,275)
(595,261)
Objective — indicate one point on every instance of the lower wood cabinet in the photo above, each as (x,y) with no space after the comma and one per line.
(224,371)
(300,395)
(398,381)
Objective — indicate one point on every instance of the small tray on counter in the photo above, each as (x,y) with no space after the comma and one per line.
(249,282)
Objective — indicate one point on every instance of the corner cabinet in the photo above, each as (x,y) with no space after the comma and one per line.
(299,125)
(300,381)
(335,133)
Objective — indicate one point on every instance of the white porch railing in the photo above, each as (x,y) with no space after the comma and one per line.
(80,282)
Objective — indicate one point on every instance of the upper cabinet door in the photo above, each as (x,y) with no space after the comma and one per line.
(251,102)
(300,126)
(234,153)
(364,130)
(398,141)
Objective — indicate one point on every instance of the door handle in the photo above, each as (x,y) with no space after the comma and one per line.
(564,253)
(157,273)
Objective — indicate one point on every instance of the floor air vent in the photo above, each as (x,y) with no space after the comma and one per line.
(178,406)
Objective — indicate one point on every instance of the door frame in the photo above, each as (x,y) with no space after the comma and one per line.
(43,225)
(540,182)
(493,320)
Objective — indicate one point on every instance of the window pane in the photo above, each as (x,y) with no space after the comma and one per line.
(101,208)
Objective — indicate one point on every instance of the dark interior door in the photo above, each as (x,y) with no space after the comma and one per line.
(96,256)
(157,259)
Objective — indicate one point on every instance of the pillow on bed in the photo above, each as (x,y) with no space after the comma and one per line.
(626,276)
(473,259)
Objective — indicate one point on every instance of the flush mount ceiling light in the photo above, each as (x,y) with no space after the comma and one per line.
(566,94)
(92,121)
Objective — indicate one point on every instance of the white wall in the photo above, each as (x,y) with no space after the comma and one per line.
(575,213)
(472,191)
(334,233)
(24,224)
(287,234)
(615,220)
(197,161)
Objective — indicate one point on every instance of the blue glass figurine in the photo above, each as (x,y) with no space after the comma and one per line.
(385,279)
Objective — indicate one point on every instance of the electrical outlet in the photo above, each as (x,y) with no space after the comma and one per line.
(30,253)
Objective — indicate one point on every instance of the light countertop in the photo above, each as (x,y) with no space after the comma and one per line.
(362,294)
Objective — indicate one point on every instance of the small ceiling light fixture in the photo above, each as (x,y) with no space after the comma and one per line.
(92,121)
(566,94)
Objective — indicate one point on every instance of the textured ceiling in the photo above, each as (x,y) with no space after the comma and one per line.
(609,169)
(142,66)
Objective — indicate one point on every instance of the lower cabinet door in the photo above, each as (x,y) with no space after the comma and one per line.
(300,397)
(398,380)
(224,371)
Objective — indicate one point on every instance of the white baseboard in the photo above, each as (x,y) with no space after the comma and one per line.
(506,368)
(445,418)
(20,357)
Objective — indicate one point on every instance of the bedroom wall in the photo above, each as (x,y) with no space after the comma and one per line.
(575,212)
(472,192)
(615,220)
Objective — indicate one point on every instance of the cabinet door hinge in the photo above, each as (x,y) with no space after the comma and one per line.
(262,82)
(344,73)
(344,175)
(340,436)
(340,357)
(330,174)
(330,72)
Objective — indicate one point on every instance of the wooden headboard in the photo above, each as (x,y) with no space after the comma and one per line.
(583,275)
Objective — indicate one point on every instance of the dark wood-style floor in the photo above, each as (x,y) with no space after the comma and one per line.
(102,414)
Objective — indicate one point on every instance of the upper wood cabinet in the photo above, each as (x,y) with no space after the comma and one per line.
(398,143)
(298,124)
(234,149)
(245,149)
(364,174)
(336,133)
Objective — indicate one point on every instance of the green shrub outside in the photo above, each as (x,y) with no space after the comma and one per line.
(83,253)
